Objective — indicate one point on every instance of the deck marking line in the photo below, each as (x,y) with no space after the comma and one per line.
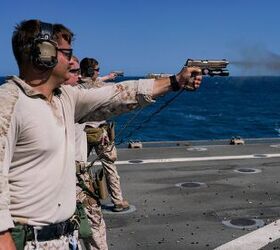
(188,159)
(256,239)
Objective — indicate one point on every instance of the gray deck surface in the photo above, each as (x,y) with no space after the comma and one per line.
(172,217)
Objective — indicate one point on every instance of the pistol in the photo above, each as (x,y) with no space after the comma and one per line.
(210,67)
(118,72)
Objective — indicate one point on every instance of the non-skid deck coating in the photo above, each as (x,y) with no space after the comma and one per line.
(171,216)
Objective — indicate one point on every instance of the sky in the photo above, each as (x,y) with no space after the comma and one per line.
(144,36)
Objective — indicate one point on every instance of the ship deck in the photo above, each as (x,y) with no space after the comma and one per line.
(198,195)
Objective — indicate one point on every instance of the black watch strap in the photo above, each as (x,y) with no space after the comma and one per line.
(174,83)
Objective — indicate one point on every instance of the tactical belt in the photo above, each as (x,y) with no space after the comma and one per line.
(50,232)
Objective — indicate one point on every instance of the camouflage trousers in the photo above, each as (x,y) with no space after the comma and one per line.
(101,140)
(108,155)
(64,243)
(95,217)
(98,228)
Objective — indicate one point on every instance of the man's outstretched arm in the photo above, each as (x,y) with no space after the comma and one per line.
(106,102)
(189,78)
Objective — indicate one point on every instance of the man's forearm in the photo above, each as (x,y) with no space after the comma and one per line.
(6,241)
(189,78)
(161,86)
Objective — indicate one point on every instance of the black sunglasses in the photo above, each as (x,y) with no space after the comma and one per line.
(66,52)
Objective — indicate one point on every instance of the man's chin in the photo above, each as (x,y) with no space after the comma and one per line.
(69,74)
(67,77)
(62,81)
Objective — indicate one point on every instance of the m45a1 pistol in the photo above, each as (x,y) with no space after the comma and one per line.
(118,72)
(210,67)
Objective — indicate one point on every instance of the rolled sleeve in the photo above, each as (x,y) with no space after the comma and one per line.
(109,101)
(145,91)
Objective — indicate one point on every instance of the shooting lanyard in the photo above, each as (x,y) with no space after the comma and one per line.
(109,148)
(148,119)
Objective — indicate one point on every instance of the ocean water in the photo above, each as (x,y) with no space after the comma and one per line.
(223,107)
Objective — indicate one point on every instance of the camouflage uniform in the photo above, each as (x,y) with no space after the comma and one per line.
(105,149)
(61,244)
(108,155)
(93,210)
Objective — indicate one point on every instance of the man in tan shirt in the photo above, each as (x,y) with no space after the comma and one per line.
(37,163)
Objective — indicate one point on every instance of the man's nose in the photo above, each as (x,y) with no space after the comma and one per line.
(71,62)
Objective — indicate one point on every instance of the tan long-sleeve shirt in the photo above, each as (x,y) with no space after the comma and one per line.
(37,145)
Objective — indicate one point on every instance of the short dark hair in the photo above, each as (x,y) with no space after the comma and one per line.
(86,64)
(27,31)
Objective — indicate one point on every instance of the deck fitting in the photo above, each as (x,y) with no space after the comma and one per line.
(191,184)
(260,156)
(135,161)
(247,170)
(244,223)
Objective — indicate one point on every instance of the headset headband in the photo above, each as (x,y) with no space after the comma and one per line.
(44,51)
(46,31)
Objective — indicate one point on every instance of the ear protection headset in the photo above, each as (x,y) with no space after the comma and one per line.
(44,48)
(87,66)
(90,71)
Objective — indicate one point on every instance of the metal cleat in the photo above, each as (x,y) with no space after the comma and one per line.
(237,141)
(135,144)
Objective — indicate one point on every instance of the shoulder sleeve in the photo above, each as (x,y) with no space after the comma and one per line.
(108,101)
(8,98)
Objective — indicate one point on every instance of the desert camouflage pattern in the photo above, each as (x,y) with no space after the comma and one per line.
(94,213)
(106,150)
(126,96)
(8,97)
(64,243)
(98,228)
(108,155)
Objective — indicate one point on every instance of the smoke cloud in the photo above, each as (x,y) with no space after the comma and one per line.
(258,61)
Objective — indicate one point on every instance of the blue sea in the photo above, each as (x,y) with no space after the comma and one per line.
(221,108)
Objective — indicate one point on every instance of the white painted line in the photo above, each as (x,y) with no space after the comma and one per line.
(254,240)
(192,159)
(198,149)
